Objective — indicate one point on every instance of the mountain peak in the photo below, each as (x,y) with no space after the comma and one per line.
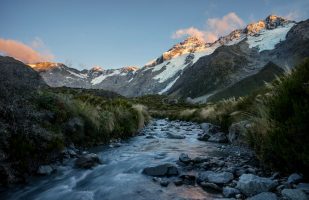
(44,66)
(96,69)
(129,68)
(191,44)
(271,22)
(193,40)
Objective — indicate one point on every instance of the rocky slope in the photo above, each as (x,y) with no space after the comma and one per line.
(197,70)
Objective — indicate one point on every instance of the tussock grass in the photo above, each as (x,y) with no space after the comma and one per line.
(102,119)
(280,132)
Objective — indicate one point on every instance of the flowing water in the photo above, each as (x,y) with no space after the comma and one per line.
(120,176)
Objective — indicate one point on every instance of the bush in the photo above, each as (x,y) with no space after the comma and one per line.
(280,135)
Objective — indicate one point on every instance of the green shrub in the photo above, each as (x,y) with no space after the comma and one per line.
(280,135)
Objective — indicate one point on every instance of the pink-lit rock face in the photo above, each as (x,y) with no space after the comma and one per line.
(254,28)
(44,66)
(271,22)
(97,69)
(129,68)
(191,44)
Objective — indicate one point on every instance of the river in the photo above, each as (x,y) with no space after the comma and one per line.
(120,176)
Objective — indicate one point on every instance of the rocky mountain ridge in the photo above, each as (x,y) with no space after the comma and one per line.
(193,63)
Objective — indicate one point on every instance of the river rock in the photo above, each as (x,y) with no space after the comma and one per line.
(211,186)
(188,179)
(215,177)
(45,170)
(264,196)
(250,184)
(184,158)
(304,187)
(164,182)
(204,137)
(294,194)
(150,137)
(178,182)
(174,136)
(209,128)
(219,137)
(161,170)
(87,161)
(230,192)
(294,178)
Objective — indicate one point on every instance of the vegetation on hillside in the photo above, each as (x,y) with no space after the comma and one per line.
(35,128)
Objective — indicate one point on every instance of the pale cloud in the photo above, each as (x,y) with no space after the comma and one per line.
(35,52)
(189,31)
(215,28)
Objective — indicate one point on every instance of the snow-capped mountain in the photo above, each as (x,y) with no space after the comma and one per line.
(196,69)
(58,74)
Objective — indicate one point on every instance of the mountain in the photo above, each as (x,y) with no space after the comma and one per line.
(195,69)
(17,79)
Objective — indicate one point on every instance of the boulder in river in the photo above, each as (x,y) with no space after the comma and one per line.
(204,137)
(87,161)
(215,177)
(211,186)
(250,184)
(294,194)
(219,137)
(264,196)
(178,182)
(294,178)
(304,187)
(161,170)
(230,192)
(184,158)
(164,182)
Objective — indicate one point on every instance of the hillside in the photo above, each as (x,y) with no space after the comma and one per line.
(37,122)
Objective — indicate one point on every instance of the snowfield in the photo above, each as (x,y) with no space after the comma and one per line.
(173,66)
(267,39)
(169,85)
(101,78)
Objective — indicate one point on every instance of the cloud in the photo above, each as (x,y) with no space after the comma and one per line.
(215,28)
(189,31)
(35,52)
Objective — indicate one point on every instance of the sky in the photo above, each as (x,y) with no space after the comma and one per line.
(118,33)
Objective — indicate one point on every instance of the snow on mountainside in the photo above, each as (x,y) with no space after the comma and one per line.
(267,39)
(169,70)
(263,35)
